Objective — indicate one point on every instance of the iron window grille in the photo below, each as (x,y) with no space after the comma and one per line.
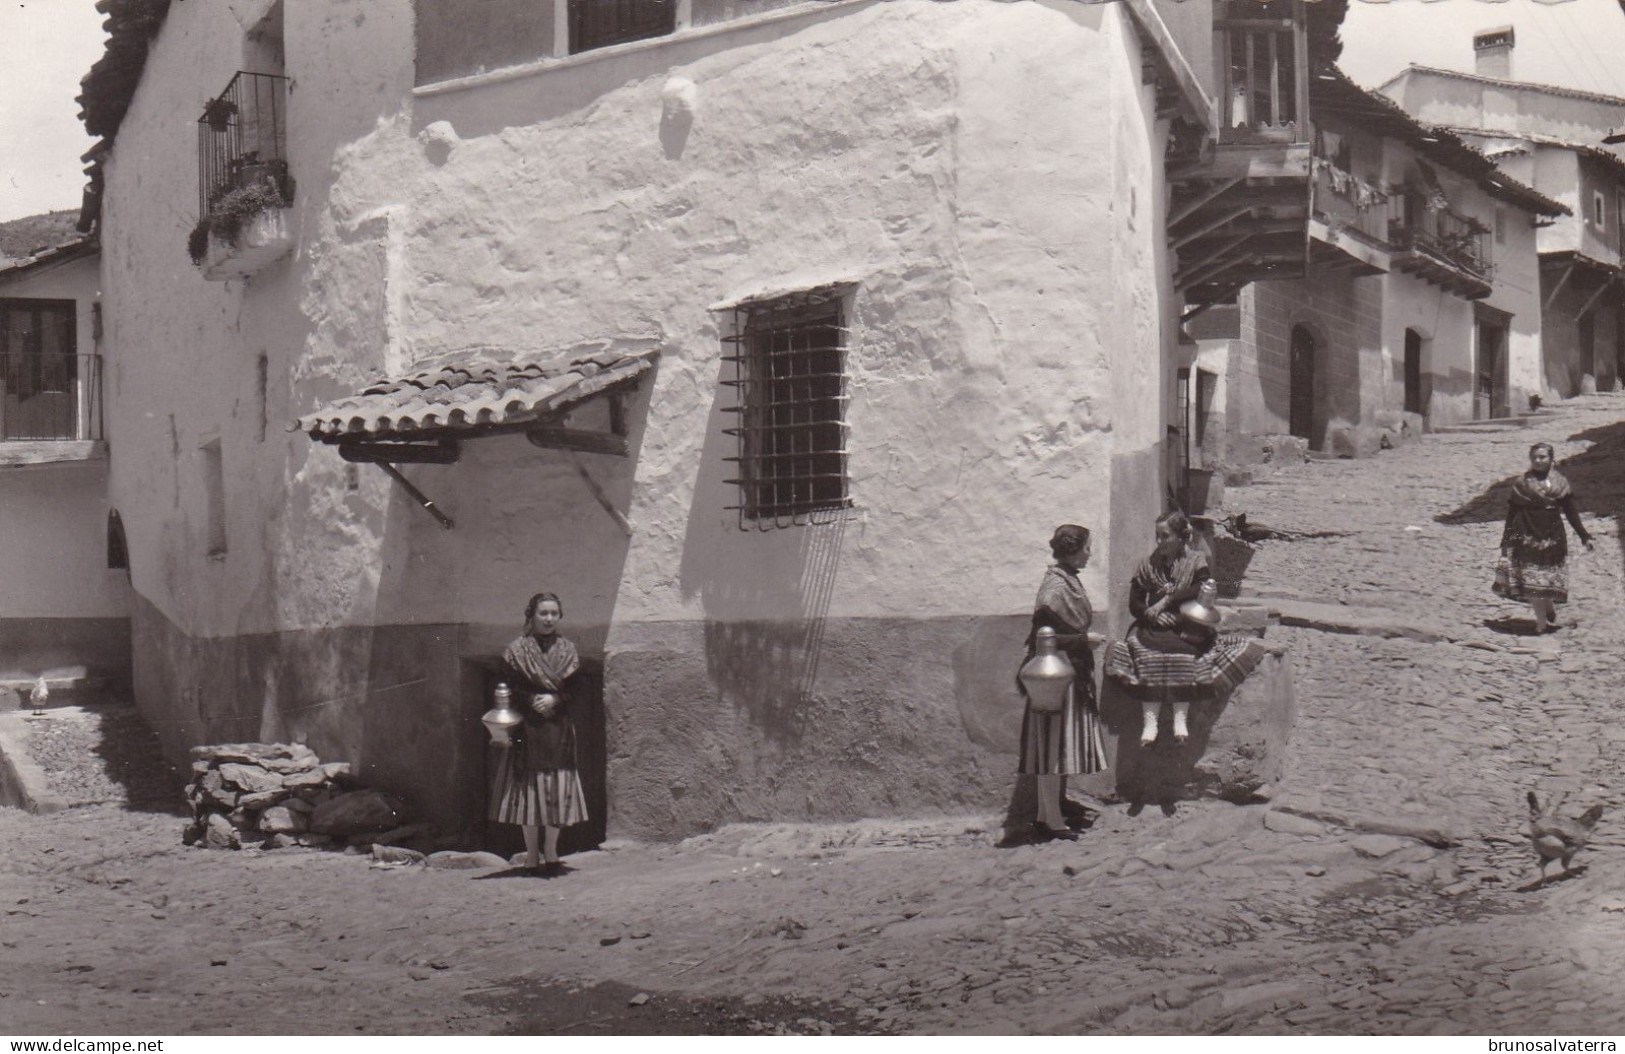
(601,23)
(242,140)
(789,357)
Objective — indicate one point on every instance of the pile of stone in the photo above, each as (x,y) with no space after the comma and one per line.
(275,795)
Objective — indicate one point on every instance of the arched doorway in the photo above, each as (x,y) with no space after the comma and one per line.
(1302,381)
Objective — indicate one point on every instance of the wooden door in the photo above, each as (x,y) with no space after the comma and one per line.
(1413,371)
(1302,380)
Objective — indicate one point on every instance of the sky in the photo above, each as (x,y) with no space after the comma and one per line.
(45,47)
(1571,44)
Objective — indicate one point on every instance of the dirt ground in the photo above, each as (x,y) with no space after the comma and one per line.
(1310,914)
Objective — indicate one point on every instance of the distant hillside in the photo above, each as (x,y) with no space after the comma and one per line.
(27,236)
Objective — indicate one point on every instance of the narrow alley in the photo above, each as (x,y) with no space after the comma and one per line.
(1384,888)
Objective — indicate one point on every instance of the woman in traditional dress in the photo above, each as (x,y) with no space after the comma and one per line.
(1534,546)
(1067,743)
(1163,658)
(536,785)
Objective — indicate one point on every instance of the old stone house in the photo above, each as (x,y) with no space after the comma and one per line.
(1418,308)
(775,337)
(1554,139)
(64,607)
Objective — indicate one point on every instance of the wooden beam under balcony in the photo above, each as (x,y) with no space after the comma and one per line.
(1253,161)
(1340,250)
(1183,277)
(1188,209)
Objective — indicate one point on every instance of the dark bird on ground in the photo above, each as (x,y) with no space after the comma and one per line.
(1559,837)
(1238,527)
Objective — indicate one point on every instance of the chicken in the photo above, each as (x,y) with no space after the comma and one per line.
(1559,837)
(40,695)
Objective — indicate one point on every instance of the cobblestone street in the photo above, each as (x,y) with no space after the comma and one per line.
(1384,888)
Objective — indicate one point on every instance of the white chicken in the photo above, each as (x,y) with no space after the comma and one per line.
(40,694)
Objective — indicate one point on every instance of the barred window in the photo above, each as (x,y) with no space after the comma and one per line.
(790,376)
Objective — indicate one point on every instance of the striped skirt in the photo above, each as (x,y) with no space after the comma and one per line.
(534,798)
(1519,579)
(1152,674)
(1066,743)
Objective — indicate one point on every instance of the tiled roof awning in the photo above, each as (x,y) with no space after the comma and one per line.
(465,401)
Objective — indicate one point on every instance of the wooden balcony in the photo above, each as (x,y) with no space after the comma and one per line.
(1348,222)
(1444,247)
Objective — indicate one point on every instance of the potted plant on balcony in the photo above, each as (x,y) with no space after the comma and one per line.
(230,213)
(217,114)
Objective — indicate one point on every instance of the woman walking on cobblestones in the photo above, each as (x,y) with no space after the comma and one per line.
(1534,546)
(1067,743)
(1163,658)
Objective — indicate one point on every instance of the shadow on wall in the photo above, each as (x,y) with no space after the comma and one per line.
(766,593)
(1597,475)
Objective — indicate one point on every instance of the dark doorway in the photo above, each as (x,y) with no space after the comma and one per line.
(1413,372)
(1490,390)
(1302,380)
(1587,325)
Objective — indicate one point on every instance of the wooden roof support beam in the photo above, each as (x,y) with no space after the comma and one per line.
(1149,21)
(1607,285)
(1220,268)
(576,439)
(1188,210)
(1558,288)
(417,495)
(1186,239)
(1180,279)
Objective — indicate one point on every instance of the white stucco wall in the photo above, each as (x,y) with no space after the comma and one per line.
(54,517)
(1006,332)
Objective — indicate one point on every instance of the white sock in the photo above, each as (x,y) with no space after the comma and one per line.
(1150,712)
(1180,712)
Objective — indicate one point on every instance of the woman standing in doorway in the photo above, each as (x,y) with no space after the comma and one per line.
(1534,547)
(1067,743)
(536,785)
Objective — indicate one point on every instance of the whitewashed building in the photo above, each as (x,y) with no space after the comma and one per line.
(775,337)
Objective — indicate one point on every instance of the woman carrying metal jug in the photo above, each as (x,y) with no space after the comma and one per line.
(1060,729)
(536,784)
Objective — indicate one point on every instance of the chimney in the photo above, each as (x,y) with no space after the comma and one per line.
(1492,53)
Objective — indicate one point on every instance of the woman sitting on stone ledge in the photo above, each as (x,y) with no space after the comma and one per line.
(1170,657)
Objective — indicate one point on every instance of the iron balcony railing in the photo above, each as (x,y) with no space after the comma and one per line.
(242,140)
(50,396)
(1350,203)
(1441,232)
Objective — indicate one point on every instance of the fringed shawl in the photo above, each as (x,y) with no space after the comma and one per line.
(1160,578)
(1530,491)
(1062,592)
(546,666)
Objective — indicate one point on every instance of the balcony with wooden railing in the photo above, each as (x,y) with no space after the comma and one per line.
(1348,220)
(1265,97)
(1440,245)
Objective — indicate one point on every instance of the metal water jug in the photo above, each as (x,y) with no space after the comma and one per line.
(1047,675)
(1204,610)
(502,718)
